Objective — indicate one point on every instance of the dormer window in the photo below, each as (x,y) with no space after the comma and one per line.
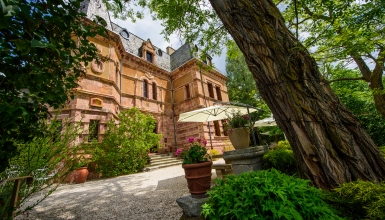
(148,51)
(149,57)
(125,34)
(160,52)
(208,60)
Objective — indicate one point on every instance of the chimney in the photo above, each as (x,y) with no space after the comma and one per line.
(170,50)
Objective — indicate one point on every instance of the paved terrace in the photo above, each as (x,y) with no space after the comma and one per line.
(148,195)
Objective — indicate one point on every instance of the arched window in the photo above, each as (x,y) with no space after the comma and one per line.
(145,88)
(160,52)
(154,91)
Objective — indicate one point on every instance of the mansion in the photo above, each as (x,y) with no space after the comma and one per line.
(136,73)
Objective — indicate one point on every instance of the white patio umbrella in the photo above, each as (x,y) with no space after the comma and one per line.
(265,122)
(213,113)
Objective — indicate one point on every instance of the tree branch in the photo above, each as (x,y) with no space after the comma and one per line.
(364,69)
(310,13)
(346,79)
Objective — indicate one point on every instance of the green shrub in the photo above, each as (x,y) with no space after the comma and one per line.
(125,146)
(48,159)
(359,200)
(284,145)
(265,195)
(281,158)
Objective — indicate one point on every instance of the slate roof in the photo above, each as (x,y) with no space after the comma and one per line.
(133,43)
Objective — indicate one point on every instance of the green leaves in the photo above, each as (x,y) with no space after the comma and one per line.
(265,195)
(240,84)
(359,199)
(36,43)
(338,31)
(125,146)
(281,158)
(41,61)
(8,10)
(357,96)
(42,158)
(195,154)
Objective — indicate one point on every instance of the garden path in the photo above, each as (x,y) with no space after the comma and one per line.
(148,195)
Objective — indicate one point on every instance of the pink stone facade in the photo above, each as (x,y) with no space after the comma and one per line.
(166,86)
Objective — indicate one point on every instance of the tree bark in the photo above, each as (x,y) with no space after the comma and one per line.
(328,141)
(374,78)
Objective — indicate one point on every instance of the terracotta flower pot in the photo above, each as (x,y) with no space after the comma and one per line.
(80,175)
(198,178)
(240,138)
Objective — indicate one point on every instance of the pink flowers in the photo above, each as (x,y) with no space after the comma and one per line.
(177,152)
(191,139)
(198,140)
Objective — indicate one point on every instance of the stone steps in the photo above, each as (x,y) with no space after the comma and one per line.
(161,161)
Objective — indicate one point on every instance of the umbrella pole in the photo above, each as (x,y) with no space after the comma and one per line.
(211,141)
(254,141)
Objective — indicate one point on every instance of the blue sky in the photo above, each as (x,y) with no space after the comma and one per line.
(149,29)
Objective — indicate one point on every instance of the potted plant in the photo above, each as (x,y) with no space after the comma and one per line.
(197,167)
(238,128)
(81,174)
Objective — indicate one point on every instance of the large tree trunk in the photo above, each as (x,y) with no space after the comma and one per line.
(329,143)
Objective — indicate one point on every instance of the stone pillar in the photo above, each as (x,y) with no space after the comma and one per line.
(247,159)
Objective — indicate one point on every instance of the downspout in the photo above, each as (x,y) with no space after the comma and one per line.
(204,97)
(173,112)
(121,65)
(109,61)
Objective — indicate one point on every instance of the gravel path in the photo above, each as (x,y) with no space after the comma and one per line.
(149,195)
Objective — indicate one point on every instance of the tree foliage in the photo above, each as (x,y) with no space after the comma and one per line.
(344,31)
(358,98)
(40,62)
(240,82)
(328,142)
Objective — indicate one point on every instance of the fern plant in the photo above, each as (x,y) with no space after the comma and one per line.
(265,195)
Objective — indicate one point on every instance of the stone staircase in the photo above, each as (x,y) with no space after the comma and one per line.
(160,161)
